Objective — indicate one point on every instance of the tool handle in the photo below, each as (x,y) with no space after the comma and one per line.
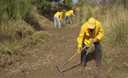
(64,64)
(72,57)
(85,46)
(80,51)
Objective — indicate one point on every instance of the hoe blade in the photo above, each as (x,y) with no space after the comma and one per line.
(60,70)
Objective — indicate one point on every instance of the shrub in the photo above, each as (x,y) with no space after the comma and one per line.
(64,11)
(15,9)
(116,32)
(66,4)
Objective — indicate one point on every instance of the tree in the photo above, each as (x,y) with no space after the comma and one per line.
(66,4)
(15,9)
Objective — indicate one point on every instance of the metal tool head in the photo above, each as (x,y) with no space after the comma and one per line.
(60,70)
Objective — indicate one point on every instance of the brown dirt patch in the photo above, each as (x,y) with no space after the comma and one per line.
(40,60)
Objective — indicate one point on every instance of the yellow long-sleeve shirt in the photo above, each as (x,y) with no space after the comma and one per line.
(86,36)
(59,15)
(69,13)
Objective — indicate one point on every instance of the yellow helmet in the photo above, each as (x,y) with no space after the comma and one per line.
(91,23)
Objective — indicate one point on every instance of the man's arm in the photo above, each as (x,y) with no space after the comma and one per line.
(101,32)
(73,14)
(81,36)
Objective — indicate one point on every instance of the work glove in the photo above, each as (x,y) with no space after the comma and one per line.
(78,50)
(94,40)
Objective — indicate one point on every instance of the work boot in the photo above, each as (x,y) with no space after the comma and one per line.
(83,65)
(99,66)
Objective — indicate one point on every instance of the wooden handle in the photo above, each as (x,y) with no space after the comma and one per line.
(85,46)
(72,57)
(80,51)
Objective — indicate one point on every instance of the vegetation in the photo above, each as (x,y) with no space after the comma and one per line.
(66,4)
(116,30)
(15,9)
(80,16)
(81,3)
(89,14)
(19,28)
(17,25)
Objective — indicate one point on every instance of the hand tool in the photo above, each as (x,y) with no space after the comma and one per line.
(59,68)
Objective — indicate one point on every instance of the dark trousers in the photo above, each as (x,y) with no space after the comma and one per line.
(98,54)
(75,12)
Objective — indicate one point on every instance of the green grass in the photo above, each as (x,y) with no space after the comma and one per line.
(17,35)
(80,16)
(6,48)
(115,41)
(89,14)
(116,34)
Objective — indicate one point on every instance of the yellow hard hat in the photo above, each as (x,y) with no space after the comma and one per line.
(91,23)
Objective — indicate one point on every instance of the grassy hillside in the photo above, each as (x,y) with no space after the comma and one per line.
(19,32)
(20,27)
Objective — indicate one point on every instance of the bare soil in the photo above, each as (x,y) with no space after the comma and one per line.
(40,61)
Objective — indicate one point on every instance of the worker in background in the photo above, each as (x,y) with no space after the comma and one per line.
(68,15)
(90,31)
(76,10)
(57,18)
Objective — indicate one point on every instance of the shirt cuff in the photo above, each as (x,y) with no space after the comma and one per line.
(79,45)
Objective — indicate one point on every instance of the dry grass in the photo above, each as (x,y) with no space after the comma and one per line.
(33,39)
(114,42)
(115,39)
(11,32)
(15,37)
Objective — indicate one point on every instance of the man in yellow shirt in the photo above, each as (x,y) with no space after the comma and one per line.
(68,15)
(76,10)
(90,31)
(57,18)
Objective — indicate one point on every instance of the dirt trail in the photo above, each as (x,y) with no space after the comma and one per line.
(40,60)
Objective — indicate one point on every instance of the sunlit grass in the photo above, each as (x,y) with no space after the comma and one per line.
(116,33)
(16,35)
(115,41)
(34,39)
